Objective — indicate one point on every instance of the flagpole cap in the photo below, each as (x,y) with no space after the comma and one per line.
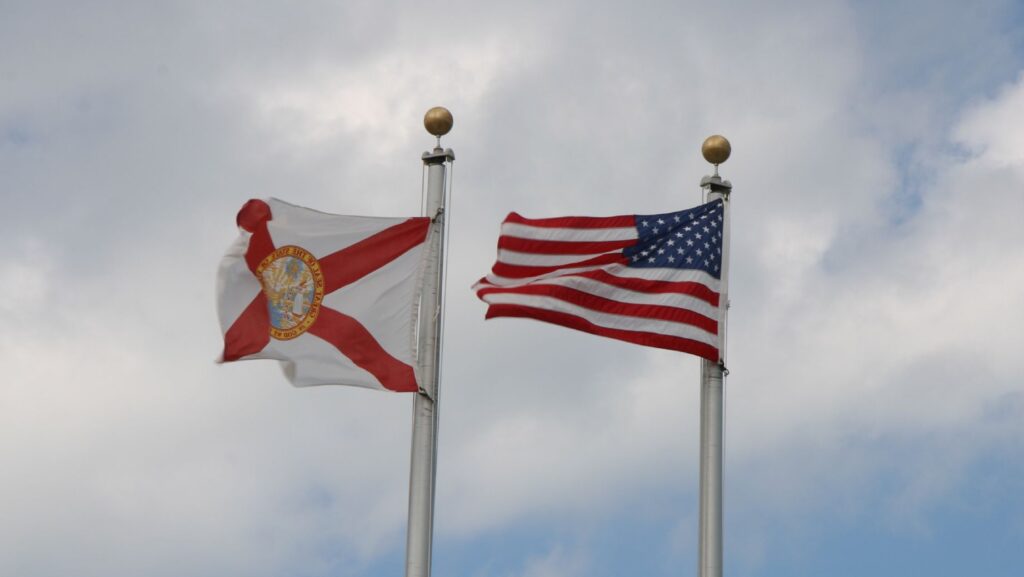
(438,121)
(716,149)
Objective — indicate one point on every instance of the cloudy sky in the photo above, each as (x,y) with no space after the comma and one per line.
(875,407)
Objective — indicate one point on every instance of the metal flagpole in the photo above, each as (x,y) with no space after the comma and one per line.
(423,463)
(716,150)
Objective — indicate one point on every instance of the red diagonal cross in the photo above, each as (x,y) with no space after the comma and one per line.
(250,332)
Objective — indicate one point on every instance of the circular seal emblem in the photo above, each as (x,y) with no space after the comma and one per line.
(294,285)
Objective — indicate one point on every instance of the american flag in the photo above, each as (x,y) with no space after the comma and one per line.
(653,280)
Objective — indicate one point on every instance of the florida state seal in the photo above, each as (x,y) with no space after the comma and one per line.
(294,285)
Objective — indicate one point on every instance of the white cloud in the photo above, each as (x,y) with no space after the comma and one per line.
(904,348)
(987,130)
(857,338)
(24,281)
(557,563)
(370,101)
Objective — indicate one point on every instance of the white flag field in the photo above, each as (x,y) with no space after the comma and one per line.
(333,297)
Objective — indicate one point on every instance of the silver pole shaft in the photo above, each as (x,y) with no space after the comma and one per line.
(423,463)
(710,470)
(712,416)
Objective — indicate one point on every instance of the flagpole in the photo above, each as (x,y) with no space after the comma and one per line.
(423,462)
(716,150)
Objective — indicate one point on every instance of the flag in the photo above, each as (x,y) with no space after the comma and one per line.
(653,280)
(334,298)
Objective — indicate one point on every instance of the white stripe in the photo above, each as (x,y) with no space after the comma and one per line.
(496,280)
(665,274)
(600,289)
(568,234)
(606,320)
(619,270)
(516,258)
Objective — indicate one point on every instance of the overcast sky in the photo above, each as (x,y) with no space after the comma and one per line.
(875,406)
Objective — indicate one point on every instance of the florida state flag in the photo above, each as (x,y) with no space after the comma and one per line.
(334,298)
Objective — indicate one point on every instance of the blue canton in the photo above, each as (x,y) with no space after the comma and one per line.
(685,239)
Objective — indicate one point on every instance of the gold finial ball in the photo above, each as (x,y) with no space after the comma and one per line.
(716,149)
(438,121)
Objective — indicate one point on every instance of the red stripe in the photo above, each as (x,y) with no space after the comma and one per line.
(689,288)
(360,259)
(515,271)
(253,217)
(260,245)
(604,305)
(660,341)
(560,247)
(252,213)
(625,221)
(250,332)
(355,342)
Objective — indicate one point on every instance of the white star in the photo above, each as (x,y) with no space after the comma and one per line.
(707,245)
(661,221)
(671,242)
(697,235)
(644,253)
(689,260)
(706,229)
(689,242)
(671,259)
(714,240)
(699,253)
(635,258)
(679,235)
(643,223)
(705,262)
(654,246)
(676,217)
(661,251)
(713,223)
(654,230)
(687,229)
(650,259)
(679,250)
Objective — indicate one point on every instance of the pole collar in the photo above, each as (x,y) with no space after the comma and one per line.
(716,184)
(438,156)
